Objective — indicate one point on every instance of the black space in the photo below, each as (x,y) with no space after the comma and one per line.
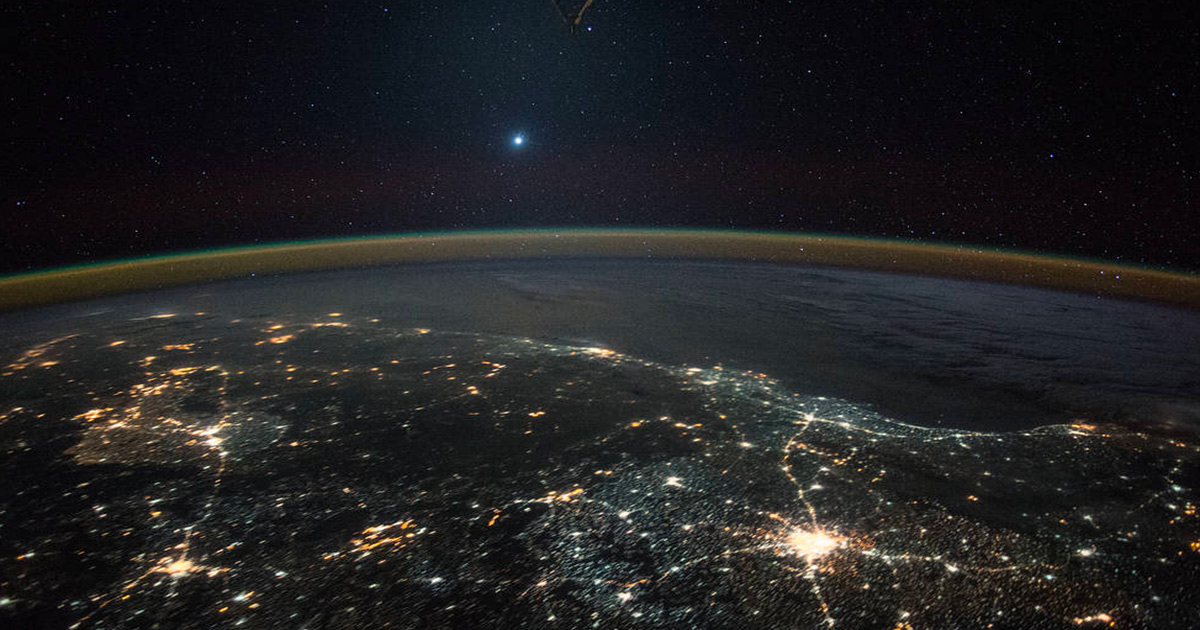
(141,127)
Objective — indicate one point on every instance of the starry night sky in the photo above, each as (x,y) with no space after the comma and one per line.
(144,127)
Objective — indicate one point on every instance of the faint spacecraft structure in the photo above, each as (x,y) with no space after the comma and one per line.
(572,11)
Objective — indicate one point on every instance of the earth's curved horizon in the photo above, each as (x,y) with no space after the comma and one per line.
(1079,275)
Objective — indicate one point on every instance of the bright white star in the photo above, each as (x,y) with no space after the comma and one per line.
(518,140)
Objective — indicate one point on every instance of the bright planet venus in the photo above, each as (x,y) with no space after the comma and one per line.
(635,429)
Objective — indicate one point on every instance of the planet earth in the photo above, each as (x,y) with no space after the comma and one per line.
(600,443)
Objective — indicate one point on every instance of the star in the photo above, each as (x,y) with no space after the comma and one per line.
(518,140)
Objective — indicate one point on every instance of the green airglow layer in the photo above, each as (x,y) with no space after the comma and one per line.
(1103,278)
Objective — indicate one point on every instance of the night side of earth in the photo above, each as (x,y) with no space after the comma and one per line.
(600,443)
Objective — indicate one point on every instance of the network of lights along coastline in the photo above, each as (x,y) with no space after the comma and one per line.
(197,471)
